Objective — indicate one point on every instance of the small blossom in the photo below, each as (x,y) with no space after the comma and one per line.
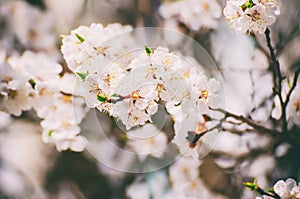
(16,94)
(287,189)
(153,145)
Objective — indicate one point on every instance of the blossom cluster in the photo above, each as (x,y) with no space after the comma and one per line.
(132,85)
(33,81)
(36,32)
(252,16)
(184,176)
(195,14)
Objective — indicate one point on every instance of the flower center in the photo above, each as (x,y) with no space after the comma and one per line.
(7,79)
(135,95)
(201,127)
(12,94)
(203,94)
(95,89)
(297,105)
(67,98)
(206,6)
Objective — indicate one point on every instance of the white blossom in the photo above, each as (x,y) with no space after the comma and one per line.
(39,67)
(184,170)
(36,32)
(252,16)
(84,44)
(138,190)
(154,144)
(184,176)
(5,119)
(195,14)
(49,94)
(16,94)
(137,108)
(287,189)
(61,122)
(264,197)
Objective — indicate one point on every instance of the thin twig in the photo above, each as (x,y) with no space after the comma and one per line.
(288,96)
(290,37)
(259,46)
(261,129)
(277,79)
(194,137)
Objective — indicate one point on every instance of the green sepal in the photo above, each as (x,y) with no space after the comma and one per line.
(101,98)
(79,37)
(62,36)
(32,83)
(113,95)
(271,190)
(148,50)
(82,75)
(253,186)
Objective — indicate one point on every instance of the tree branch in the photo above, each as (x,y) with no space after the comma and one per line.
(277,79)
(289,38)
(288,96)
(261,129)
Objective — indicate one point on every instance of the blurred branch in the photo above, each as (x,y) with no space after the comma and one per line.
(277,79)
(259,46)
(289,38)
(261,129)
(293,86)
(236,131)
(262,103)
(144,9)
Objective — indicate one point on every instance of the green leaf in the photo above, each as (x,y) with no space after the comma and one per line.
(82,75)
(32,83)
(113,95)
(80,38)
(101,98)
(50,133)
(148,50)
